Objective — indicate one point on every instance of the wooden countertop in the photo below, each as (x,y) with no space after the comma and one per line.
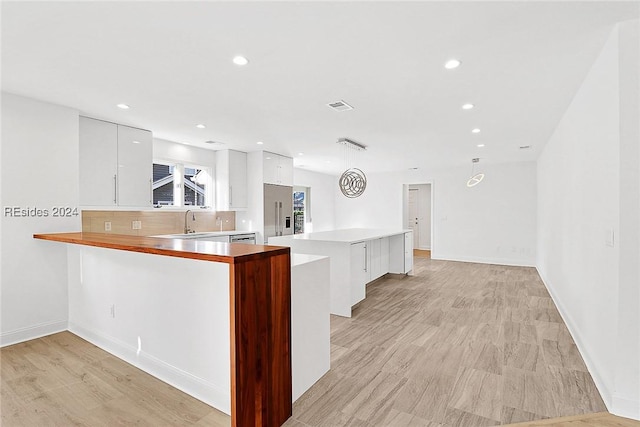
(230,253)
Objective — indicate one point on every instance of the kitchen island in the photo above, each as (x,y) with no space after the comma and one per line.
(213,319)
(357,257)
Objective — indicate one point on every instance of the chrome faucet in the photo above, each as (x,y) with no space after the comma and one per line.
(187,230)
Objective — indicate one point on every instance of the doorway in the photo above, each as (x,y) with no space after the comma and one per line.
(418,214)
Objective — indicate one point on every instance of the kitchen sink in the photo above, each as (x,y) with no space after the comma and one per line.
(190,235)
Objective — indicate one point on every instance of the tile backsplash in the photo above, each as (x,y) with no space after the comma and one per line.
(156,222)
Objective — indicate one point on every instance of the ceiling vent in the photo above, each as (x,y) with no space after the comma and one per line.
(215,143)
(339,106)
(525,147)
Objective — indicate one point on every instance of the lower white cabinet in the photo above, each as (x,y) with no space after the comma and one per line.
(360,273)
(378,251)
(401,253)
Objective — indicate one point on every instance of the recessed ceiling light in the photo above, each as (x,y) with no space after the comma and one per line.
(240,60)
(300,154)
(476,130)
(259,142)
(123,106)
(480,145)
(201,126)
(467,106)
(136,142)
(451,64)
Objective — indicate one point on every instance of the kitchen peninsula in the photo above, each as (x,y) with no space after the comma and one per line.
(212,318)
(357,256)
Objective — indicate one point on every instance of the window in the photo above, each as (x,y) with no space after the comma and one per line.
(301,209)
(163,184)
(176,184)
(196,183)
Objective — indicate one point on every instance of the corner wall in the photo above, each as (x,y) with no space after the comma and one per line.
(588,214)
(39,170)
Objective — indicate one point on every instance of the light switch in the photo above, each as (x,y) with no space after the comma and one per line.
(609,237)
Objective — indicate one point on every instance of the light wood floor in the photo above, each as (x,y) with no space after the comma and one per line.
(62,380)
(455,345)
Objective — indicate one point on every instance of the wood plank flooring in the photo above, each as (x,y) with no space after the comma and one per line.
(454,345)
(62,380)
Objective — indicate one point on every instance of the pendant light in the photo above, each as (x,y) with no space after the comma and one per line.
(353,181)
(475,178)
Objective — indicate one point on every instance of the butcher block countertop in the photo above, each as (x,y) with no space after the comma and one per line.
(230,253)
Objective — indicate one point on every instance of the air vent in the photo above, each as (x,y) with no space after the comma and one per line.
(215,143)
(525,147)
(339,106)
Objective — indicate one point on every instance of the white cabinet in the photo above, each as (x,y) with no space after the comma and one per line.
(116,164)
(277,169)
(401,253)
(408,252)
(231,180)
(378,257)
(360,273)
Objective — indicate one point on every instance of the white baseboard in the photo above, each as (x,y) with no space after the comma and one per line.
(625,407)
(481,260)
(32,332)
(606,390)
(195,386)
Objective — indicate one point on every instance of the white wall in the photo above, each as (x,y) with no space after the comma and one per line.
(323,196)
(583,199)
(494,222)
(39,169)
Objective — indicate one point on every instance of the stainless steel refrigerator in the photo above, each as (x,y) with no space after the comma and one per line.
(278,211)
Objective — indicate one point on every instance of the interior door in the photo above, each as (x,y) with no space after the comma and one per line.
(414,215)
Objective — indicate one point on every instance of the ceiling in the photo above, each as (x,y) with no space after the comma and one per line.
(522,62)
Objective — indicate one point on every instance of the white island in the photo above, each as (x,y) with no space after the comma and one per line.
(357,257)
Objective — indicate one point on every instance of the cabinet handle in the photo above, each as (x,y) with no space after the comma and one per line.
(365,258)
(230,196)
(115,189)
(151,190)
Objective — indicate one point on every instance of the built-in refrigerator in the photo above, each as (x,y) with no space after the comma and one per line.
(278,211)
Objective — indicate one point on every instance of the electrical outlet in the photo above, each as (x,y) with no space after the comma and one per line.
(107,226)
(136,225)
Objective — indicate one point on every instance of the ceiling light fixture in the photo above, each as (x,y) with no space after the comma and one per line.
(136,142)
(480,145)
(476,178)
(476,130)
(300,154)
(201,126)
(123,106)
(451,64)
(467,106)
(240,60)
(259,142)
(353,181)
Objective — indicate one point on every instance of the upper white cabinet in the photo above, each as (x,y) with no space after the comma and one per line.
(231,180)
(277,169)
(116,164)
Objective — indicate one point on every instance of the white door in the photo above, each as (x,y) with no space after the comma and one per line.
(414,215)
